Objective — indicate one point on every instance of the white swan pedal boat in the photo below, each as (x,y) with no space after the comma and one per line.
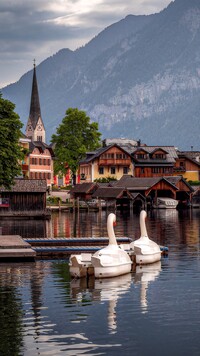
(145,250)
(111,261)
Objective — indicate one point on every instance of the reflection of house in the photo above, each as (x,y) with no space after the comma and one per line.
(26,198)
(110,161)
(154,161)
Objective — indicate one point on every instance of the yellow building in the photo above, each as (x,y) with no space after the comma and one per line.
(188,167)
(111,161)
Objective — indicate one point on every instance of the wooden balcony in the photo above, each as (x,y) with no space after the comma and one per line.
(179,169)
(114,162)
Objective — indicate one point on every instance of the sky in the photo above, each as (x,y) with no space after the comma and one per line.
(37,29)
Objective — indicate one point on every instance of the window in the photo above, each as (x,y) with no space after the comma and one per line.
(125,170)
(112,170)
(159,156)
(101,170)
(118,155)
(155,170)
(141,156)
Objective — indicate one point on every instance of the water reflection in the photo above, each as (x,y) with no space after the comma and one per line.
(45,312)
(167,226)
(144,275)
(103,290)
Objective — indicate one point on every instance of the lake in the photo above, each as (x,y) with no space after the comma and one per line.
(155,310)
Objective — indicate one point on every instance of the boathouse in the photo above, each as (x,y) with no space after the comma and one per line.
(136,192)
(174,187)
(83,191)
(26,198)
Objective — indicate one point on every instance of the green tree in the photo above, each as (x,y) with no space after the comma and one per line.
(75,136)
(11,153)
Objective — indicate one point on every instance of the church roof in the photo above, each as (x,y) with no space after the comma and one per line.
(35,112)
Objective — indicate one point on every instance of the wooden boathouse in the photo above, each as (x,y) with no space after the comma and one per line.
(26,198)
(137,192)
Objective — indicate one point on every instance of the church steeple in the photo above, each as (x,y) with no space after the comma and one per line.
(35,127)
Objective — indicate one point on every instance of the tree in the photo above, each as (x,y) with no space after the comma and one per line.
(11,153)
(75,136)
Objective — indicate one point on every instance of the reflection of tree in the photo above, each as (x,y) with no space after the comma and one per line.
(11,313)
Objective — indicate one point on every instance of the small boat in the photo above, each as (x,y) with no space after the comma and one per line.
(145,250)
(111,261)
(80,265)
(165,203)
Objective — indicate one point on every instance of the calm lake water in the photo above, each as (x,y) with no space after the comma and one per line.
(155,310)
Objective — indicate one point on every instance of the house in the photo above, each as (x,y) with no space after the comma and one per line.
(41,162)
(188,166)
(26,198)
(154,161)
(109,161)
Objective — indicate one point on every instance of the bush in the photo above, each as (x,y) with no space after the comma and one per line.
(105,179)
(54,200)
(194,182)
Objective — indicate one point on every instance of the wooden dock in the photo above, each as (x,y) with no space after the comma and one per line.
(56,248)
(13,247)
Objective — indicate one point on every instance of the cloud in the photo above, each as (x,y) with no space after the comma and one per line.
(40,28)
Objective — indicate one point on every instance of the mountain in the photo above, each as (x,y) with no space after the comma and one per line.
(139,78)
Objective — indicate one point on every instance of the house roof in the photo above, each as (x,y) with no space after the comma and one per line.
(171,154)
(190,156)
(107,192)
(41,146)
(92,155)
(83,188)
(133,183)
(128,182)
(27,185)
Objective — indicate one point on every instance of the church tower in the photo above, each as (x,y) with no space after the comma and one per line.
(35,129)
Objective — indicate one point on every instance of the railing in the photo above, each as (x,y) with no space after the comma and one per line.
(114,162)
(179,169)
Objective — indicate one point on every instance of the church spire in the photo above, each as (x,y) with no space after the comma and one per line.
(35,127)
(35,111)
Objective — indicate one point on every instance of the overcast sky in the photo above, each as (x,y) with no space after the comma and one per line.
(39,28)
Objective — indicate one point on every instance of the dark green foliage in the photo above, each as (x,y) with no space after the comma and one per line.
(75,136)
(11,153)
(105,180)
